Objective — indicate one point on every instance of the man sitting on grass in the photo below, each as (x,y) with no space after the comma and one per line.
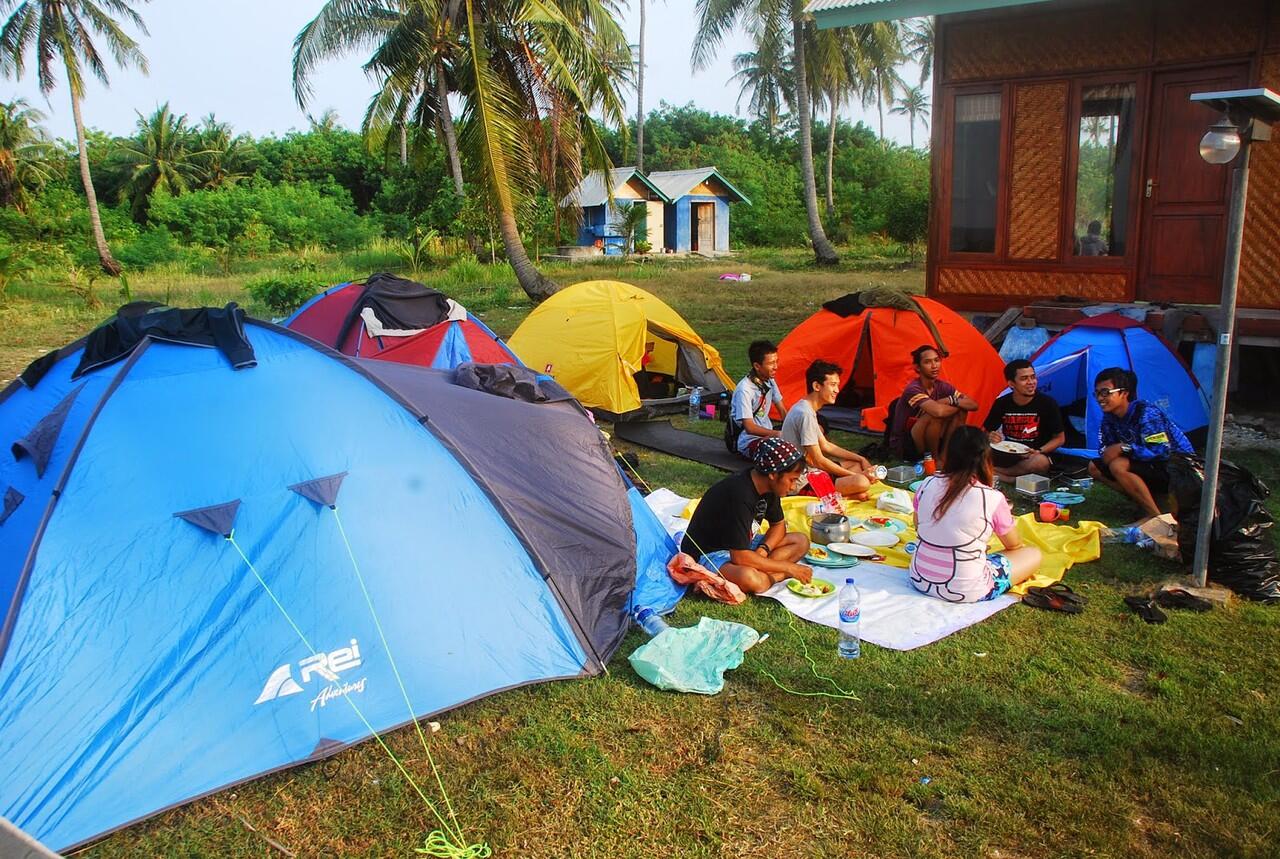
(1028,417)
(723,528)
(1136,440)
(850,471)
(754,396)
(928,411)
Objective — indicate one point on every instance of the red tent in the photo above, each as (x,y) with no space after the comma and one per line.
(873,346)
(444,344)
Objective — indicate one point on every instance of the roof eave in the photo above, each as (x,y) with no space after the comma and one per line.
(886,10)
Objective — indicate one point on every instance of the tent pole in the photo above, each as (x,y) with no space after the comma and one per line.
(1222,366)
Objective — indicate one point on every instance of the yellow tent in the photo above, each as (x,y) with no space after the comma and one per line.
(593,338)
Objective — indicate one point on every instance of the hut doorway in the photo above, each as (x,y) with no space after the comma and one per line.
(1184,199)
(704,227)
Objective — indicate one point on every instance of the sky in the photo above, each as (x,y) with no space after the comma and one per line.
(233,58)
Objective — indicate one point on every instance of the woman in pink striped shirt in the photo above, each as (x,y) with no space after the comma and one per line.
(957,511)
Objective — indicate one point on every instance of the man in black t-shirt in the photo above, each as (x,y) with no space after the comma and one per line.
(1028,417)
(723,527)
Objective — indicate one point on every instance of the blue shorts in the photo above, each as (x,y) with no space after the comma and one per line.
(715,560)
(1001,568)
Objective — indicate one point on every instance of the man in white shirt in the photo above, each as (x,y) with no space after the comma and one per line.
(852,473)
(754,397)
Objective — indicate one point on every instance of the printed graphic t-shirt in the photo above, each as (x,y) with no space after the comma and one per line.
(1034,424)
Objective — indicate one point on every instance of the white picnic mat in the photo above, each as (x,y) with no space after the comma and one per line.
(894,614)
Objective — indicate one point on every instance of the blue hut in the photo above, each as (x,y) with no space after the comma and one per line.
(688,210)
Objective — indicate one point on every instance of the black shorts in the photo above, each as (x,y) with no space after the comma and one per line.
(1002,460)
(1154,473)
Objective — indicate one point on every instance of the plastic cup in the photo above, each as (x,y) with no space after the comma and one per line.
(1048,511)
(1064,514)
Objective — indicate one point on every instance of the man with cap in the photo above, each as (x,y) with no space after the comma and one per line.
(723,529)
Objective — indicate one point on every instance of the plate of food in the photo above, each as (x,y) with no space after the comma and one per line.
(884,523)
(852,550)
(876,539)
(1014,447)
(815,588)
(822,556)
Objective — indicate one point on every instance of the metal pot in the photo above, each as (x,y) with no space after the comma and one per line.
(829,528)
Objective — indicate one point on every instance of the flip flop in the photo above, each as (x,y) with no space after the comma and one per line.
(1179,598)
(1050,601)
(1146,609)
(1063,590)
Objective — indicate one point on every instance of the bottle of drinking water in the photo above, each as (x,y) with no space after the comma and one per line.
(1129,534)
(650,621)
(695,403)
(850,646)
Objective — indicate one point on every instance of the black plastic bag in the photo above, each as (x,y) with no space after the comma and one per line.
(1241,556)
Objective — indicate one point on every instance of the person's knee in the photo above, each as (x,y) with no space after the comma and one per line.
(1038,463)
(1119,465)
(749,579)
(1094,471)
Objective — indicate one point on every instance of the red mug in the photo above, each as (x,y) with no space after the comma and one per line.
(1048,511)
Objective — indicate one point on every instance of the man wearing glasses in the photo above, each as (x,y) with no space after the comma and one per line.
(1136,440)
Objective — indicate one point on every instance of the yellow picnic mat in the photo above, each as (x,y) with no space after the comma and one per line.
(1062,545)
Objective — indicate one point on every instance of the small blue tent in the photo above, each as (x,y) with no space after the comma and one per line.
(185,550)
(1067,365)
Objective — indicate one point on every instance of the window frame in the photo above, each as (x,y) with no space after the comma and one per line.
(1067,249)
(1000,252)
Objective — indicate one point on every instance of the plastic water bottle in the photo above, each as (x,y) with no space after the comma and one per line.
(850,646)
(650,621)
(695,403)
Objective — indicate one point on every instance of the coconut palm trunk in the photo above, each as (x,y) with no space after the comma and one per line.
(108,262)
(449,132)
(831,160)
(640,98)
(823,251)
(536,285)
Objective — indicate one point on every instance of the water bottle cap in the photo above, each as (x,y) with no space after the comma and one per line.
(848,581)
(643,614)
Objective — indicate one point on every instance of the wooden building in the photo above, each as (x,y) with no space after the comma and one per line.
(1066,152)
(688,210)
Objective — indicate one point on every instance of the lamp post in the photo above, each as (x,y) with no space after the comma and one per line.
(1246,118)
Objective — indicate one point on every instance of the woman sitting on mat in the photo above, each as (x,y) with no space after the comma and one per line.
(957,511)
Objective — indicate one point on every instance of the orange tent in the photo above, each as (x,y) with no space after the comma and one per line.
(872,345)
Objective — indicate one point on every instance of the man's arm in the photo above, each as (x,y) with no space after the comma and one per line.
(750,427)
(1054,443)
(814,456)
(964,402)
(937,408)
(830,448)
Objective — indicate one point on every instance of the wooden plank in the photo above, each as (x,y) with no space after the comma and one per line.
(996,329)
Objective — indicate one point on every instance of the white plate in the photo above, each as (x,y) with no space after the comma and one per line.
(876,539)
(856,550)
(1014,447)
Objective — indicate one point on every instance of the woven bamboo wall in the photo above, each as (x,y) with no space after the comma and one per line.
(1039,153)
(1040,44)
(1260,255)
(1092,286)
(1195,30)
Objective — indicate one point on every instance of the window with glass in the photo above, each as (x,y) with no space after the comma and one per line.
(1104,170)
(975,173)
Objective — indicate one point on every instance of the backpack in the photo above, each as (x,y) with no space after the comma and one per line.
(733,429)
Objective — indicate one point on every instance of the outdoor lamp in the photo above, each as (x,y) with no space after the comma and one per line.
(1247,117)
(1221,142)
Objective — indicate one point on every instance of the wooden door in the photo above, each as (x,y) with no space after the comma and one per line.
(704,236)
(1184,202)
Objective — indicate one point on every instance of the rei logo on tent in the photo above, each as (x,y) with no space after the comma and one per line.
(325,665)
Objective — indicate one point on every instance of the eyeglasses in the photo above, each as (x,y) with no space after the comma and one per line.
(1104,393)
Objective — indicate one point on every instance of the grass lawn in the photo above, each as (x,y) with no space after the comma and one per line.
(1032,734)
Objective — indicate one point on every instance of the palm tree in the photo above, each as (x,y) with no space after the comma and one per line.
(833,67)
(764,74)
(881,53)
(27,155)
(919,45)
(64,30)
(529,73)
(158,158)
(913,104)
(716,19)
(223,159)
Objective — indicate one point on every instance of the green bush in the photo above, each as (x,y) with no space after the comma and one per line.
(284,294)
(155,246)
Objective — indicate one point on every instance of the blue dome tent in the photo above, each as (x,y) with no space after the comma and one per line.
(207,572)
(1067,365)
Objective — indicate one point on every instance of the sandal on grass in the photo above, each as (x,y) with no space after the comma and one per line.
(1145,608)
(1063,590)
(1050,601)
(1179,598)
